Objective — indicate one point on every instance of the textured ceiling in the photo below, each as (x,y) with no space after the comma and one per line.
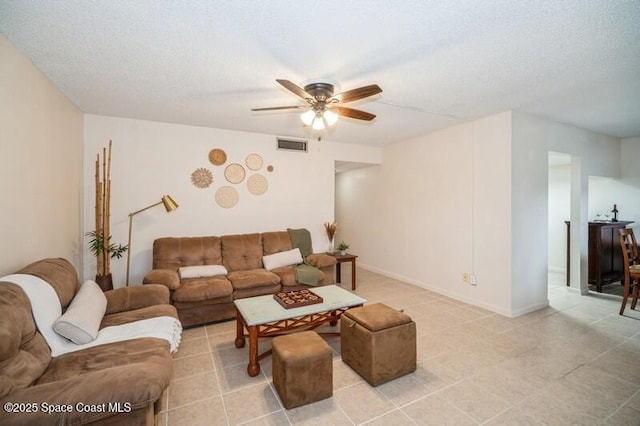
(439,63)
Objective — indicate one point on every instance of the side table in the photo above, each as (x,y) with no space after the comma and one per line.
(347,257)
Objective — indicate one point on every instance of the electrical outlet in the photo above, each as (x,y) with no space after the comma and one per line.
(465,277)
(474,281)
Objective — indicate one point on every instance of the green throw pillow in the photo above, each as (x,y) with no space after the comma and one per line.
(301,239)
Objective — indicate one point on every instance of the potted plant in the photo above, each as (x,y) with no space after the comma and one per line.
(343,247)
(102,248)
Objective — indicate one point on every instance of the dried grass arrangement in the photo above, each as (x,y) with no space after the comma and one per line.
(330,229)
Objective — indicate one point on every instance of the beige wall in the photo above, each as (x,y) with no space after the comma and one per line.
(437,207)
(40,166)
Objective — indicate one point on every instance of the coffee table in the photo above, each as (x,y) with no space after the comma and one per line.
(262,316)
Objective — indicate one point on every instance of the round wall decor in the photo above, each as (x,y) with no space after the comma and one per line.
(234,173)
(257,184)
(226,197)
(269,168)
(217,157)
(201,178)
(254,162)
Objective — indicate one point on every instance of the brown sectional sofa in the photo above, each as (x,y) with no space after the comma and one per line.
(207,299)
(134,372)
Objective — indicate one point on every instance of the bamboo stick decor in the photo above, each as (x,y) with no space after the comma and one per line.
(101,245)
(103,188)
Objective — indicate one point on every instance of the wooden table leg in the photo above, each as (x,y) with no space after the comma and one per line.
(239,331)
(334,319)
(338,274)
(253,369)
(353,274)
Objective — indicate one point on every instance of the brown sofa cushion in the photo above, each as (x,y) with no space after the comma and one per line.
(126,317)
(167,277)
(196,289)
(287,275)
(275,242)
(213,303)
(60,274)
(24,354)
(243,280)
(172,253)
(321,260)
(242,252)
(136,297)
(101,358)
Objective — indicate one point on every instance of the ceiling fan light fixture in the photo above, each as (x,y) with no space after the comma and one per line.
(320,98)
(330,116)
(307,117)
(318,123)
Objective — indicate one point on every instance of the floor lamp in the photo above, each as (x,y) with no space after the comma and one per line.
(169,205)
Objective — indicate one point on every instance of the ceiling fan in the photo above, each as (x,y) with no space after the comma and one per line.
(323,106)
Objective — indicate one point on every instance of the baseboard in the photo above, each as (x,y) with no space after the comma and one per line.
(529,309)
(492,308)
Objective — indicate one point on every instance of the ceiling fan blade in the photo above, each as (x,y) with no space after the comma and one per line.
(354,113)
(277,108)
(295,89)
(359,93)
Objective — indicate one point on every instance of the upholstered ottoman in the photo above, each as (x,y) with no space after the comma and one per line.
(378,342)
(302,368)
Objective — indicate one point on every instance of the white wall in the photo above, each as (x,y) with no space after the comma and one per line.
(438,206)
(624,193)
(472,198)
(592,154)
(630,179)
(151,159)
(40,166)
(559,210)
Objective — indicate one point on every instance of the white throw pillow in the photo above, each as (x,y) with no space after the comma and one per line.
(201,271)
(81,322)
(284,258)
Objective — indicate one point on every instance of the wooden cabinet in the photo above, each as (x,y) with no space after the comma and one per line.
(604,253)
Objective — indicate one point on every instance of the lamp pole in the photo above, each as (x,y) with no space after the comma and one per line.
(169,205)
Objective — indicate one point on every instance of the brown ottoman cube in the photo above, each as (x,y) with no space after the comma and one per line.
(302,368)
(378,342)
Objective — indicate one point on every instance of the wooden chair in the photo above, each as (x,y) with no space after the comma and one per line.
(631,267)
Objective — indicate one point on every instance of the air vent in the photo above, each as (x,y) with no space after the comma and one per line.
(292,145)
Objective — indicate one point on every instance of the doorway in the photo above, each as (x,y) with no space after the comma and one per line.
(559,213)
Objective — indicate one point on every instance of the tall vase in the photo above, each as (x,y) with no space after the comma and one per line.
(330,248)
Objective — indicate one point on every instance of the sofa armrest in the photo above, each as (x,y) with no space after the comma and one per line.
(126,388)
(130,298)
(167,277)
(321,260)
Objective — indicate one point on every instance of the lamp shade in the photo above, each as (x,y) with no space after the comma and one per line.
(330,116)
(318,123)
(307,117)
(169,203)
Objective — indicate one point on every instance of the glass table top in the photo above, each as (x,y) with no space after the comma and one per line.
(264,309)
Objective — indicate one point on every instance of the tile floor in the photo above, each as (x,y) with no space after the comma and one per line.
(575,362)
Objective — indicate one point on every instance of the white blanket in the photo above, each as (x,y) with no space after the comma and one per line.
(46,309)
